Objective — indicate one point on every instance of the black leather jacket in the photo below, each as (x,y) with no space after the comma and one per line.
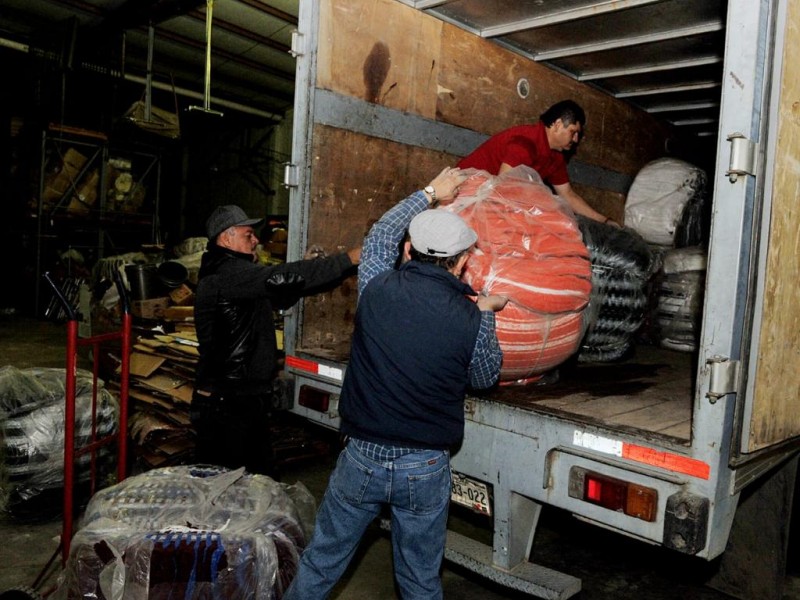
(234,314)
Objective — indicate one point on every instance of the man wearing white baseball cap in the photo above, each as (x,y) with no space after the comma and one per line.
(420,340)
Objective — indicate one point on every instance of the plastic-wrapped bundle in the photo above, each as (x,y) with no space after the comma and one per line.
(666,202)
(23,390)
(622,266)
(530,250)
(32,433)
(680,298)
(190,532)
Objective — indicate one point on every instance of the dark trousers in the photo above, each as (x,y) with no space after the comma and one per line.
(233,431)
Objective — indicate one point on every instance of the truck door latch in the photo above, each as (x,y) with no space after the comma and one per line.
(723,377)
(743,157)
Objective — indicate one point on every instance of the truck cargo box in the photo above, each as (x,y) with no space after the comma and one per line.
(380,109)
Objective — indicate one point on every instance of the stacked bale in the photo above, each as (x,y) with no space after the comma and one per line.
(529,250)
(667,205)
(622,267)
(680,298)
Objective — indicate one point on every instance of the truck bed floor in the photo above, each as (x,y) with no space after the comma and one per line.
(650,391)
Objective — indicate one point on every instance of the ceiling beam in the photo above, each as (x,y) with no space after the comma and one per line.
(563,16)
(270,10)
(230,56)
(634,40)
(241,32)
(640,69)
(650,91)
(136,13)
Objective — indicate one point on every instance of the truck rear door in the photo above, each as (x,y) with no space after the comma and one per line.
(751,334)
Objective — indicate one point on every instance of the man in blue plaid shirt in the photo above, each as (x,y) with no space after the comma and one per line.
(420,341)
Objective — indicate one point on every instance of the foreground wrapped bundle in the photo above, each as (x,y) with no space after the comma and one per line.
(190,532)
(529,250)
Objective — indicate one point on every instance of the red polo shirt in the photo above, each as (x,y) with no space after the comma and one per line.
(520,145)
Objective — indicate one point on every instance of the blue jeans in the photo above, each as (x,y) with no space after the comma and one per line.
(415,486)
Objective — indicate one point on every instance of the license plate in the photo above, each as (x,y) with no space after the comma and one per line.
(470,493)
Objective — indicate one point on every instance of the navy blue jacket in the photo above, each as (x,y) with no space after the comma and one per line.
(414,337)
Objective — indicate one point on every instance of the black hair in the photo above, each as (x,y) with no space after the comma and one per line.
(446,262)
(567,110)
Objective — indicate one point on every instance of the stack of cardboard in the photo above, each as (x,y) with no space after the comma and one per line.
(163,363)
(162,371)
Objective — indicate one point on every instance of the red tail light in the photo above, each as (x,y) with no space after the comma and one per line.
(614,494)
(313,398)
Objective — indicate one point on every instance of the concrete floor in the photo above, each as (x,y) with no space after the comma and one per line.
(610,567)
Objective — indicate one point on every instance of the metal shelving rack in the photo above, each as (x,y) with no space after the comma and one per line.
(98,226)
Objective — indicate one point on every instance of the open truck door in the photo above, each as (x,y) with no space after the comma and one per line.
(769,414)
(750,353)
(750,339)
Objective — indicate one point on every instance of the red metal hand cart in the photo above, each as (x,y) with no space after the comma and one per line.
(96,442)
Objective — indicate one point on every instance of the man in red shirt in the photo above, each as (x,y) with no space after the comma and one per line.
(541,147)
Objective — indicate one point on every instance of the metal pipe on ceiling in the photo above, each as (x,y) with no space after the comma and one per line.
(13,45)
(217,101)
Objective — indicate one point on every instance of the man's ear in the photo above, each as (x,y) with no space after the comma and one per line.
(462,262)
(406,250)
(223,240)
(557,124)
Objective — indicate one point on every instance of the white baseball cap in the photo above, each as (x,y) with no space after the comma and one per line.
(440,233)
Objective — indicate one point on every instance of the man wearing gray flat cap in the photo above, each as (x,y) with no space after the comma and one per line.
(420,340)
(233,311)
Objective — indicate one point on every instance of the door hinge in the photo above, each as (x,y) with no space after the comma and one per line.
(743,157)
(298,47)
(290,176)
(723,377)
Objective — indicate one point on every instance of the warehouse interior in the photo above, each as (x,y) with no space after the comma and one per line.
(188,101)
(128,121)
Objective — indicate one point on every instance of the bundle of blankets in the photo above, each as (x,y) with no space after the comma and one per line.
(575,287)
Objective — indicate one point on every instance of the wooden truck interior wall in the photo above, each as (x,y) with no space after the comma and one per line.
(422,66)
(779,344)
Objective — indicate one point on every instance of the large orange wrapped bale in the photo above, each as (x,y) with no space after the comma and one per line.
(530,250)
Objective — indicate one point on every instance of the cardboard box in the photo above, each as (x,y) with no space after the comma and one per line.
(150,309)
(66,173)
(182,295)
(179,313)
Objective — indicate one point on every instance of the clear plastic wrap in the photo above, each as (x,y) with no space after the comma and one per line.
(32,432)
(189,532)
(529,249)
(622,267)
(680,298)
(666,203)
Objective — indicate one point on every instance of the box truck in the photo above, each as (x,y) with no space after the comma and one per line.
(693,451)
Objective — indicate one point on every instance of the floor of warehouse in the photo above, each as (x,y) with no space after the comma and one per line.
(608,565)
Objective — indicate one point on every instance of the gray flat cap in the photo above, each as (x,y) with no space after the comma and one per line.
(226,216)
